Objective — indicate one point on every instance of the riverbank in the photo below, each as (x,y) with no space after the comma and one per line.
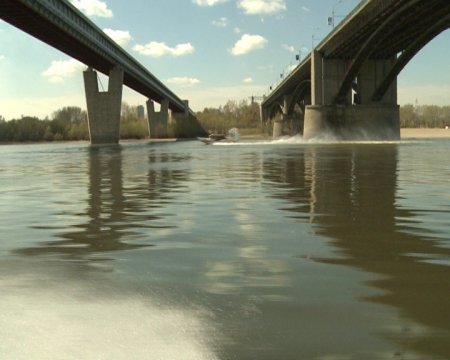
(406,133)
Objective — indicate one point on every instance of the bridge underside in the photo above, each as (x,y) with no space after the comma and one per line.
(60,25)
(353,72)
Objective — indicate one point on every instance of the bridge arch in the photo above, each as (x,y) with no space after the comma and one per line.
(354,70)
(408,54)
(429,20)
(275,109)
(301,92)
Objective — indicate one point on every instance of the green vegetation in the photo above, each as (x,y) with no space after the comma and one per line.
(70,123)
(246,116)
(132,126)
(424,116)
(243,116)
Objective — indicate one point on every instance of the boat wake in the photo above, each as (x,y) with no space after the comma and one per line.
(299,140)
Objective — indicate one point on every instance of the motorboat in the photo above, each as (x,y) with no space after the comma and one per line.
(233,136)
(212,138)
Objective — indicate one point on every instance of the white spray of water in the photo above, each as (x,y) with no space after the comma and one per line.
(325,138)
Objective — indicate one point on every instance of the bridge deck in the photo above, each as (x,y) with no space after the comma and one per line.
(61,25)
(406,25)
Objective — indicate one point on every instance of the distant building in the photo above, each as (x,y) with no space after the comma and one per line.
(140,111)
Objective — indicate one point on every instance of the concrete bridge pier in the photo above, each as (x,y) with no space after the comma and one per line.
(158,120)
(334,111)
(349,122)
(263,115)
(186,125)
(103,108)
(279,124)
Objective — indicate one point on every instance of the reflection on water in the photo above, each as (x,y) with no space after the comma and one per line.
(114,213)
(310,251)
(106,214)
(351,197)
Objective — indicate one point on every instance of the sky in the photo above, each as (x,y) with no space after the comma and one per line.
(205,51)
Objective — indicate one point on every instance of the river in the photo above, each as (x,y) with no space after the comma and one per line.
(255,250)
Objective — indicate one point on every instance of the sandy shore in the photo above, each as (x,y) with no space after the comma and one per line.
(424,133)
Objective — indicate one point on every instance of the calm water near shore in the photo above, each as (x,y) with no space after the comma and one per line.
(256,250)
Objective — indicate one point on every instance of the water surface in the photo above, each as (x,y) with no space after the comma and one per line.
(259,250)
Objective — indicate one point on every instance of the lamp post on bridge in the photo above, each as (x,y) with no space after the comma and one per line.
(333,14)
(254,99)
(298,56)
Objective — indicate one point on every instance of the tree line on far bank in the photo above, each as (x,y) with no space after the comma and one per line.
(70,123)
(67,123)
(244,115)
(424,116)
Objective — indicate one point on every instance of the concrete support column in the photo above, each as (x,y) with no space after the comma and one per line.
(179,122)
(186,125)
(316,79)
(326,78)
(263,114)
(346,121)
(370,76)
(307,100)
(333,75)
(158,121)
(186,108)
(279,125)
(103,108)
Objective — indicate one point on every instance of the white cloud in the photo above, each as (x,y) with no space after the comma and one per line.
(248,43)
(61,69)
(289,48)
(304,8)
(248,80)
(93,8)
(119,36)
(222,22)
(255,7)
(208,2)
(237,30)
(266,68)
(158,49)
(2,57)
(183,81)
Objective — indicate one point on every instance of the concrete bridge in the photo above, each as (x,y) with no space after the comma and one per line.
(348,84)
(59,24)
